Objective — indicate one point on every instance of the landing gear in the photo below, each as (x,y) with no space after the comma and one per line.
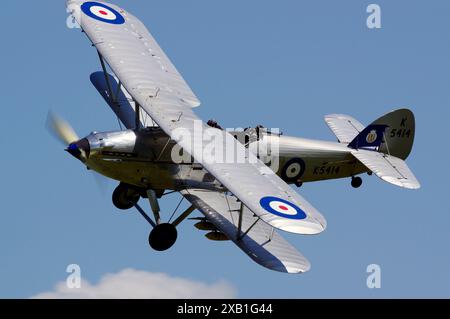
(162,236)
(356,181)
(125,196)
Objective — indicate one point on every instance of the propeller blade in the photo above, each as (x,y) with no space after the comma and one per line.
(102,182)
(61,129)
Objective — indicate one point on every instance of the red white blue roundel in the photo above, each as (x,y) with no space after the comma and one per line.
(102,12)
(282,208)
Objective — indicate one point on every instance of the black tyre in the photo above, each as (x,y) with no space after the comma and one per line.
(163,236)
(125,196)
(356,182)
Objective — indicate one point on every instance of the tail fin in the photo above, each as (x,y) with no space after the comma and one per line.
(392,134)
(399,135)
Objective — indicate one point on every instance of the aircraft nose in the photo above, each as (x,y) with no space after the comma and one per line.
(80,149)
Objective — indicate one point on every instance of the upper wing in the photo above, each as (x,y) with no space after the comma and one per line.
(125,42)
(389,168)
(129,50)
(344,127)
(261,243)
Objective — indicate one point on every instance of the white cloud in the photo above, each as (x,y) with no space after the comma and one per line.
(132,283)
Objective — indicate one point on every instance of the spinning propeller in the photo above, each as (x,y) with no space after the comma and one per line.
(79,148)
(61,129)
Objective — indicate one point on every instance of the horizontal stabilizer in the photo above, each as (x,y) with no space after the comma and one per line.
(389,168)
(345,127)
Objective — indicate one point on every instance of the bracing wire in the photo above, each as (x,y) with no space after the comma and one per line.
(179,203)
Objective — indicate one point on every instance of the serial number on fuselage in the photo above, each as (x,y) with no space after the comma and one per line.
(326,170)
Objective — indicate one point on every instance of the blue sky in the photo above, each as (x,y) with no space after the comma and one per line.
(281,64)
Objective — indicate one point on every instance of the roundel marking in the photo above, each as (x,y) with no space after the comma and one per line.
(293,170)
(102,12)
(283,208)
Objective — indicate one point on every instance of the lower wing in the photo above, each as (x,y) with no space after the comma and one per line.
(257,239)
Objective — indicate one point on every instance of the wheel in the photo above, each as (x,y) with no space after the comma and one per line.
(356,182)
(125,196)
(163,236)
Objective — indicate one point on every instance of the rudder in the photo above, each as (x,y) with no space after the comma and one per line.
(399,134)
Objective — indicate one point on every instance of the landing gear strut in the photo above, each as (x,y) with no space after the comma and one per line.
(356,181)
(163,235)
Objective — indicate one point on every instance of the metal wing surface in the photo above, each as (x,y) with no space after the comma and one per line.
(389,168)
(344,127)
(259,241)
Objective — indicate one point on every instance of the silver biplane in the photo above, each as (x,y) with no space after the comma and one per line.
(243,201)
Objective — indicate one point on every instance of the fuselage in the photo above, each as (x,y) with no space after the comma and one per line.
(144,158)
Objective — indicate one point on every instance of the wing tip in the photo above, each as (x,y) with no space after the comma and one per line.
(408,184)
(303,228)
(298,268)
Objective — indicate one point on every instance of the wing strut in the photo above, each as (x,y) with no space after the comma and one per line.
(239,228)
(110,91)
(241,212)
(137,111)
(249,229)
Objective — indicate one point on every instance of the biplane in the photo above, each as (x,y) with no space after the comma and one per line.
(240,181)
